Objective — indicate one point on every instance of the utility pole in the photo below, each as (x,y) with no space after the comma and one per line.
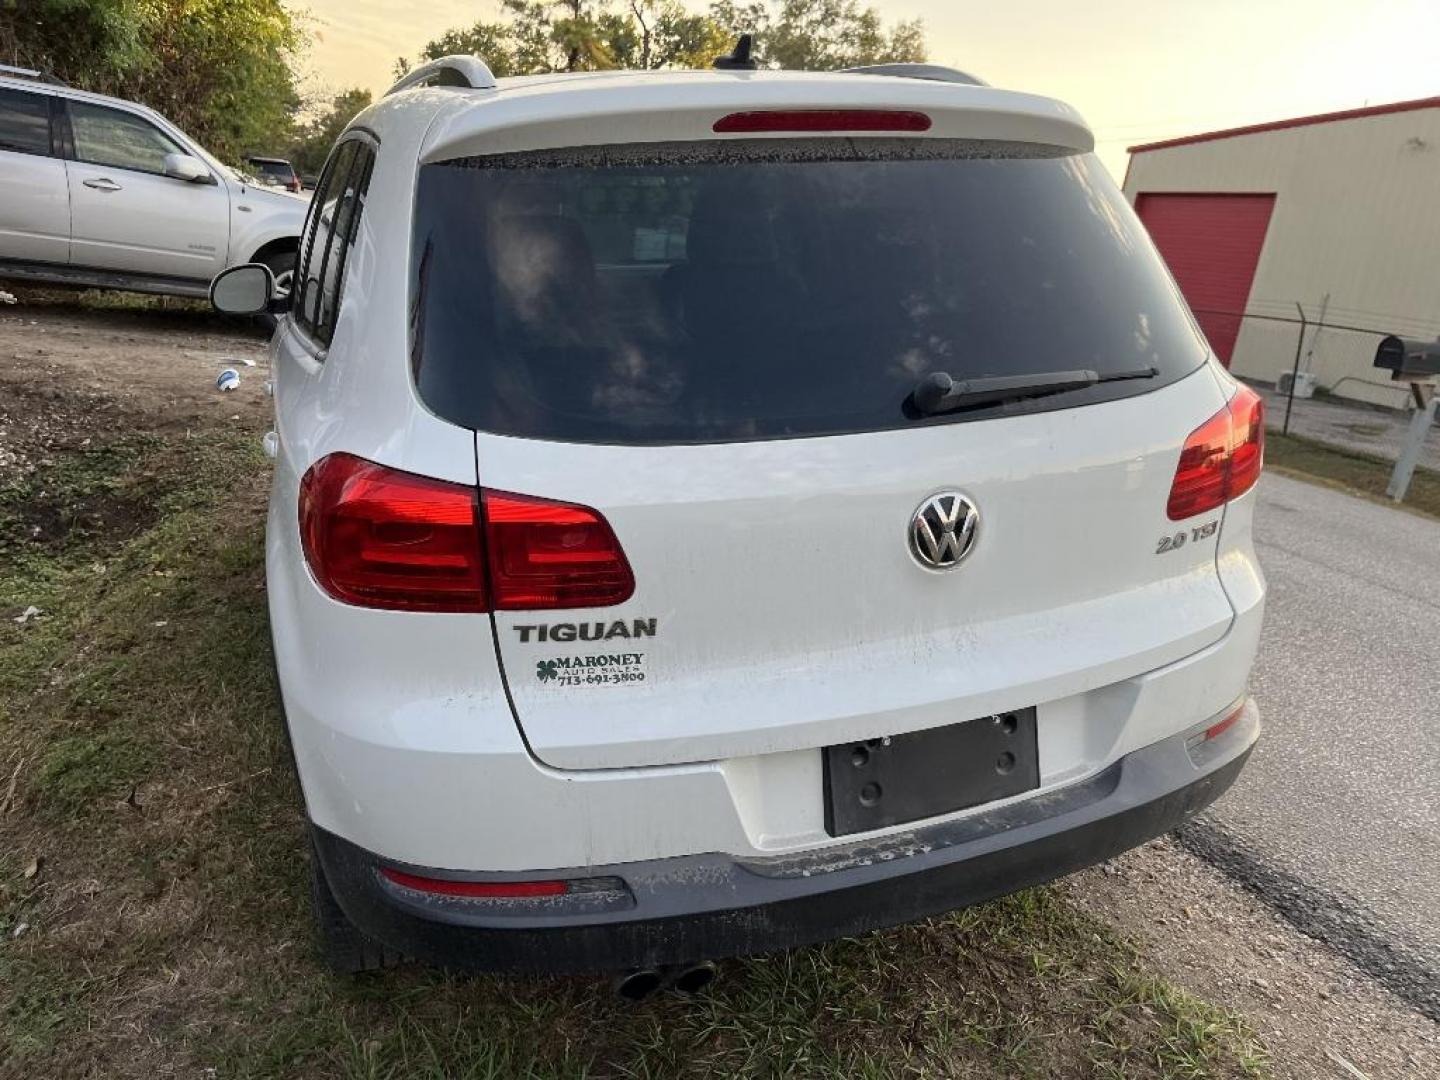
(1294,371)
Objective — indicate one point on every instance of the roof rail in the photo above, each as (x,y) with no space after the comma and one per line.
(933,72)
(29,73)
(460,70)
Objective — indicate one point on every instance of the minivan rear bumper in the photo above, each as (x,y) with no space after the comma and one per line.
(671,911)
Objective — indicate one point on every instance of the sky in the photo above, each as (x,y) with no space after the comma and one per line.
(1138,72)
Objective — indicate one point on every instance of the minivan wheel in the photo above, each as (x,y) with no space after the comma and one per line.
(346,950)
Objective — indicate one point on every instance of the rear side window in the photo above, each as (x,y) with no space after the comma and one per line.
(329,233)
(726,291)
(24,122)
(119,139)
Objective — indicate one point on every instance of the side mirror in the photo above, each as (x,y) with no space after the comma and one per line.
(190,169)
(244,290)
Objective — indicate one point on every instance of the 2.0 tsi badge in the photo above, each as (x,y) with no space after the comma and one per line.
(944,530)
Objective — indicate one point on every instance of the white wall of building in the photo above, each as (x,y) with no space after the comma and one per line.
(1357,217)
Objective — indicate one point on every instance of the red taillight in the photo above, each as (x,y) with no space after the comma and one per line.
(1204,470)
(817,120)
(381,538)
(476,890)
(1217,729)
(1247,456)
(1222,458)
(547,554)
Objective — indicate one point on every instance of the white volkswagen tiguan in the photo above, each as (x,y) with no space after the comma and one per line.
(716,511)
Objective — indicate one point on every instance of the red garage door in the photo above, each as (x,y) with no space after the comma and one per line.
(1212,243)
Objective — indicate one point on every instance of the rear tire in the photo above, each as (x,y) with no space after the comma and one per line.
(345,948)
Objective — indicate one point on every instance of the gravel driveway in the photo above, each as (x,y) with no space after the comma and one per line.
(1355,427)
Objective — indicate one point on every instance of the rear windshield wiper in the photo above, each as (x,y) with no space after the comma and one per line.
(938,392)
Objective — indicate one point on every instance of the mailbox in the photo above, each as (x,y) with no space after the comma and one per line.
(1409,359)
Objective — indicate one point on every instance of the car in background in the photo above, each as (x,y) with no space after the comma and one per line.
(275,171)
(99,192)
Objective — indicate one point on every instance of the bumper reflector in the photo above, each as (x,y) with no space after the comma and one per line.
(1197,737)
(476,890)
(1219,728)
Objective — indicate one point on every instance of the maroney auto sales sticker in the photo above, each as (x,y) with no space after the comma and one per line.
(602,669)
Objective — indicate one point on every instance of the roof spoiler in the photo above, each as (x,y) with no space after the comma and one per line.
(933,72)
(467,72)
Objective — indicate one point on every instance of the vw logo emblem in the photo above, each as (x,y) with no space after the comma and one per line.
(944,530)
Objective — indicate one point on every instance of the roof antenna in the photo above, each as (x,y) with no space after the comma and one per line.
(739,58)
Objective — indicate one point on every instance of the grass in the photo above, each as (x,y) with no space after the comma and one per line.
(167,932)
(107,299)
(1350,470)
(177,312)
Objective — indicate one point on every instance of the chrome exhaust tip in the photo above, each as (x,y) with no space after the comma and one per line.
(639,984)
(693,978)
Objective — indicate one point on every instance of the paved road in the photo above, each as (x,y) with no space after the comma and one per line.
(1337,818)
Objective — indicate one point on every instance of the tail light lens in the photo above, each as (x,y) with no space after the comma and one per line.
(380,538)
(1247,456)
(547,554)
(1222,458)
(817,120)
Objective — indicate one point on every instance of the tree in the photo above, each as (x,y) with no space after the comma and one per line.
(536,36)
(220,69)
(821,35)
(89,41)
(531,36)
(652,34)
(314,138)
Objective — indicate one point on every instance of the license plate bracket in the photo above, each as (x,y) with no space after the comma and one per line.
(876,783)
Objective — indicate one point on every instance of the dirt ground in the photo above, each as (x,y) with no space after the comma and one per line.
(80,379)
(158,363)
(156,370)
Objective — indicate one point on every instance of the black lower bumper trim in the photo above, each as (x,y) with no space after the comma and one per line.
(709,907)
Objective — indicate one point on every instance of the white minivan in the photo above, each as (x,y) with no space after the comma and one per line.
(715,511)
(100,192)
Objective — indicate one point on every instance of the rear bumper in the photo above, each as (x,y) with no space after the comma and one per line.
(711,906)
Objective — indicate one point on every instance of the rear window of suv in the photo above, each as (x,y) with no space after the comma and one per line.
(715,291)
(276,170)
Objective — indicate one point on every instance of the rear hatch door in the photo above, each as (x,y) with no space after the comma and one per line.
(716,345)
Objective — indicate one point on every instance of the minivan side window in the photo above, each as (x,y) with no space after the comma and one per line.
(119,139)
(24,122)
(329,232)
